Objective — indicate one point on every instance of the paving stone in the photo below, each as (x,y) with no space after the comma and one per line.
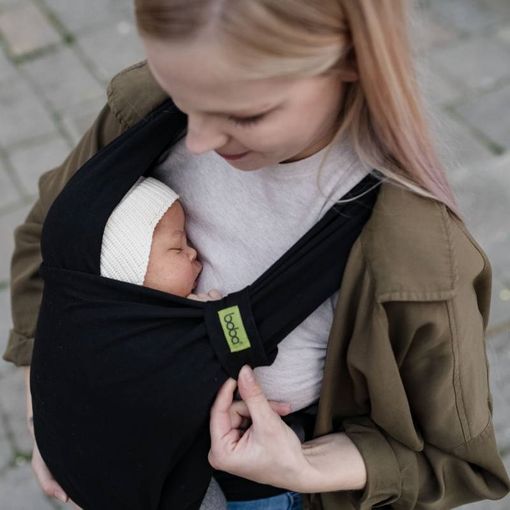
(7,70)
(484,112)
(504,34)
(6,451)
(8,222)
(79,118)
(500,304)
(9,195)
(26,29)
(62,78)
(5,325)
(32,160)
(427,32)
(501,7)
(437,89)
(465,15)
(484,198)
(13,405)
(477,62)
(457,146)
(7,3)
(20,491)
(484,195)
(502,504)
(112,49)
(22,116)
(80,16)
(498,354)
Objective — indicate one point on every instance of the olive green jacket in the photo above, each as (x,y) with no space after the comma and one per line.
(406,374)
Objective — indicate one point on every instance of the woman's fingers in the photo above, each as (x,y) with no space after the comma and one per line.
(260,411)
(48,484)
(239,412)
(220,423)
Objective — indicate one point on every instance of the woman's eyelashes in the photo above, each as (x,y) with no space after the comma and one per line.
(247,121)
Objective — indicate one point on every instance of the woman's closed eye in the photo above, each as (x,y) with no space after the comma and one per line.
(247,121)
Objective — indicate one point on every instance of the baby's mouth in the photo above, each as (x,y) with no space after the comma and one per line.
(199,270)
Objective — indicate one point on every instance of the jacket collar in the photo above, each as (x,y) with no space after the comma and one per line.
(133,93)
(408,246)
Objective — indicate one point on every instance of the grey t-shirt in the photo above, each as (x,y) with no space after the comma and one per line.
(241,222)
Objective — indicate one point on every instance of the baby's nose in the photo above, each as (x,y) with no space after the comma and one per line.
(192,253)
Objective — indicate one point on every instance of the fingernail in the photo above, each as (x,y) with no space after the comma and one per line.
(61,496)
(248,374)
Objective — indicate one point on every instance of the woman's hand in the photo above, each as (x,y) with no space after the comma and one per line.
(48,484)
(268,451)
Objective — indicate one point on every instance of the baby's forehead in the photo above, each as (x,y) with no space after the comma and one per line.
(172,221)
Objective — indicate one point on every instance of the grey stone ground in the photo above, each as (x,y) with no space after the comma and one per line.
(56,57)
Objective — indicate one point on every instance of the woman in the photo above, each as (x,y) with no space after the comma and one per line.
(398,368)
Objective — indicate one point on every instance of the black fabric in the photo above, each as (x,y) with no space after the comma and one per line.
(123,377)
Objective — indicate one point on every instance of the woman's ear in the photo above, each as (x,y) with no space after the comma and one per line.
(349,74)
(347,68)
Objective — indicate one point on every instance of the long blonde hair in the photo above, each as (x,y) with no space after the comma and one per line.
(382,116)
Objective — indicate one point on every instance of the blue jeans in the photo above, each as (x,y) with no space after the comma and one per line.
(286,501)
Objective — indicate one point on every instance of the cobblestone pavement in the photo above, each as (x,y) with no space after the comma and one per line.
(56,57)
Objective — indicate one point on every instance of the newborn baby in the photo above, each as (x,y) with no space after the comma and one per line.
(145,243)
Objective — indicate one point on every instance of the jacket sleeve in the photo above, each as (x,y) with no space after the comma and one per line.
(439,450)
(26,284)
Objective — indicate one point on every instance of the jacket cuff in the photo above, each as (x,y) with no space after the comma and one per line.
(384,478)
(19,349)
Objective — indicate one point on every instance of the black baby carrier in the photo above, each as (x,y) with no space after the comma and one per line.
(123,377)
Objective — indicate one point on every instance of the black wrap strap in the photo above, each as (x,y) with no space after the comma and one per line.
(147,365)
(233,332)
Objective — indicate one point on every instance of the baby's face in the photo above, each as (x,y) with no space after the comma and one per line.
(173,266)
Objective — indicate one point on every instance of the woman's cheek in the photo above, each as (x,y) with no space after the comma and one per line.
(266,139)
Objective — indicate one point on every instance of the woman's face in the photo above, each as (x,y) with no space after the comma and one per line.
(272,120)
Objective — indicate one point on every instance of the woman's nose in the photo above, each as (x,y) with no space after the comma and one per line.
(203,136)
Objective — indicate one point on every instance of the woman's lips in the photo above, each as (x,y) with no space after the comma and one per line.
(232,157)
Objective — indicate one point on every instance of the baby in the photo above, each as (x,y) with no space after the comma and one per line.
(145,243)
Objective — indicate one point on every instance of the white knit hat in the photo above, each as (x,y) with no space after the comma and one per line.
(127,237)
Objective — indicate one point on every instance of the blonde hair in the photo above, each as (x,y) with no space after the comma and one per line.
(382,116)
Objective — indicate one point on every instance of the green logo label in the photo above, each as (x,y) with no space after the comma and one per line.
(233,329)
